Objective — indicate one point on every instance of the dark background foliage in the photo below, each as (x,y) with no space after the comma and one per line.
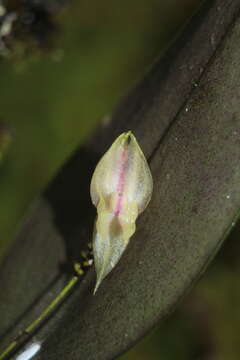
(50,102)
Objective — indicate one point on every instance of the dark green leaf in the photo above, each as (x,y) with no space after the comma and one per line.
(186,116)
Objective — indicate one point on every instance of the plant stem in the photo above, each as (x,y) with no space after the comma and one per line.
(44,315)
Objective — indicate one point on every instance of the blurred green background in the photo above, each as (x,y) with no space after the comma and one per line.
(51,102)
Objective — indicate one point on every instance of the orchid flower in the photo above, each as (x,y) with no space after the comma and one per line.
(121,189)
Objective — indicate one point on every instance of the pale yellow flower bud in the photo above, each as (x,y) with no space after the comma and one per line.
(121,188)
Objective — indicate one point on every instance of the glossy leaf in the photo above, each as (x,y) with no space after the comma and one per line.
(186,116)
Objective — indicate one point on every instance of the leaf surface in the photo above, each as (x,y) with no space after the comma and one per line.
(185,115)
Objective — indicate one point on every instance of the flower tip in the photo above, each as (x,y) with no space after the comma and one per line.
(129,134)
(98,282)
(126,137)
(95,289)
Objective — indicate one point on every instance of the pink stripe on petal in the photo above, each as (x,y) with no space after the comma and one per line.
(121,182)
